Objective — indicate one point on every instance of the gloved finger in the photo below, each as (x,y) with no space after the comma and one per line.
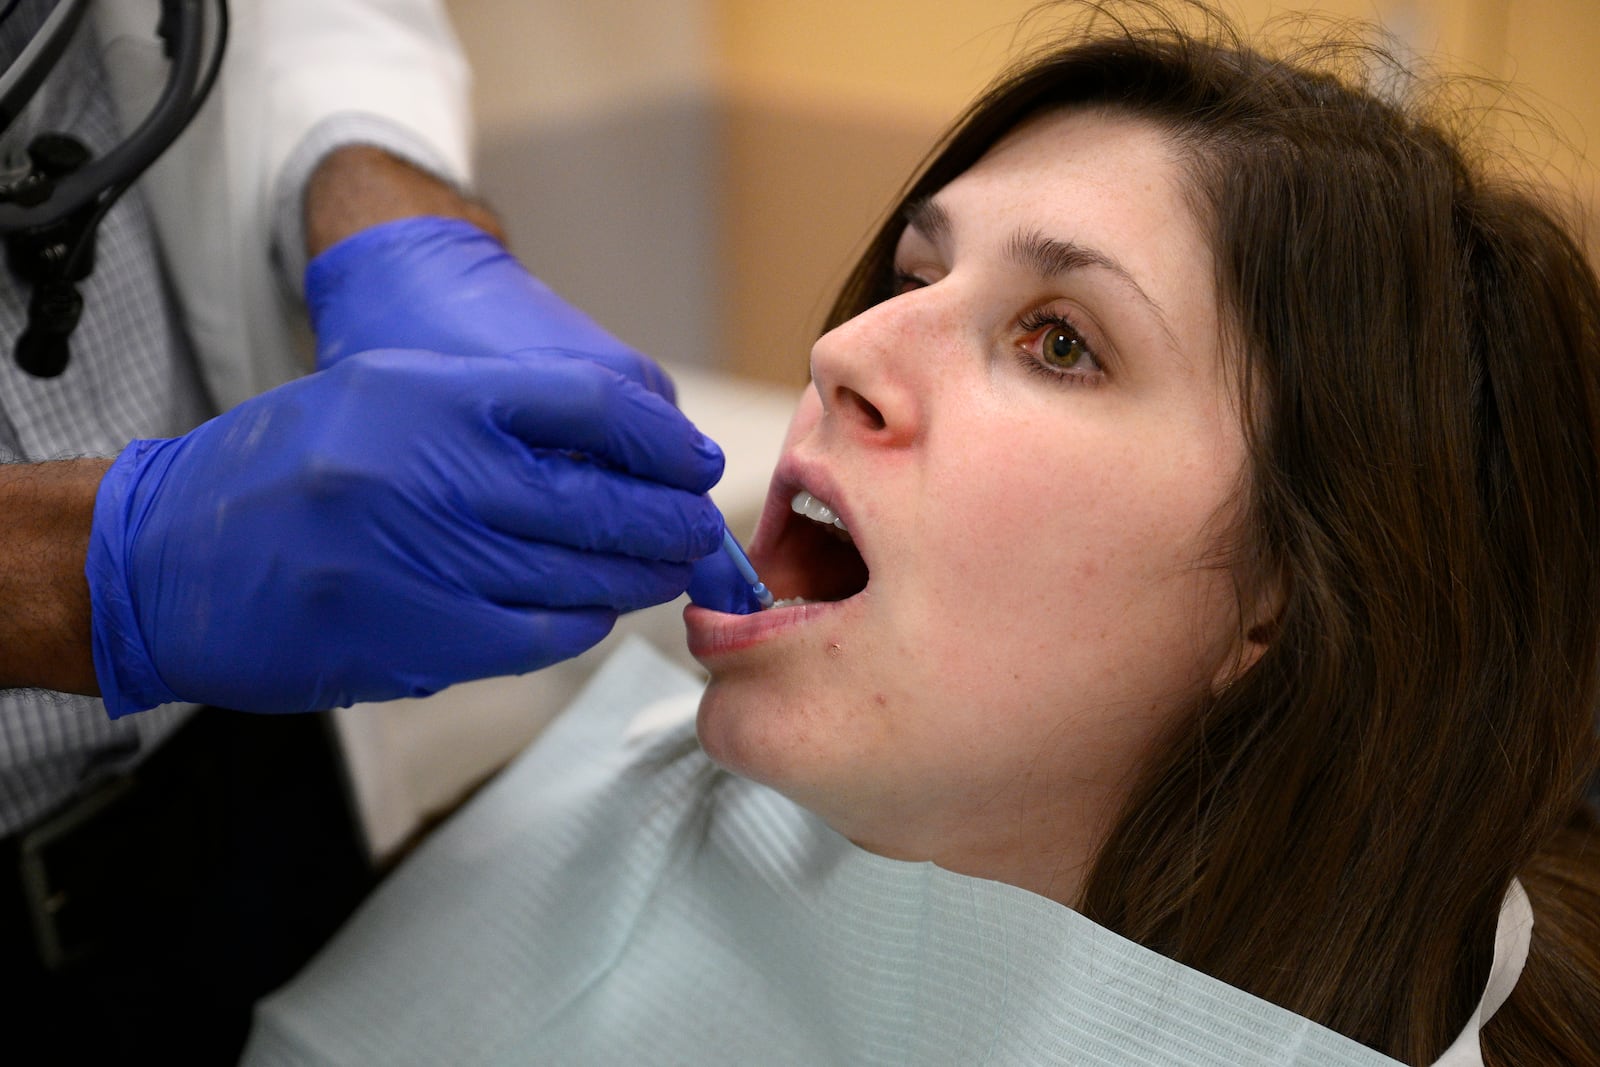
(445,285)
(496,307)
(548,637)
(574,405)
(512,573)
(624,361)
(642,369)
(565,578)
(567,501)
(488,642)
(485,641)
(718,585)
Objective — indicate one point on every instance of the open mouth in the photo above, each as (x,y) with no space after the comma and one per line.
(814,557)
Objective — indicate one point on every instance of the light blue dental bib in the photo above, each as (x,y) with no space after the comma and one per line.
(612,899)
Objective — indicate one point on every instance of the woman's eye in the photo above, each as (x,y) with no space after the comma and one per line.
(1062,348)
(1054,346)
(904,282)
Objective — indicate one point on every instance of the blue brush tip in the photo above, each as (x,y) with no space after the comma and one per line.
(746,570)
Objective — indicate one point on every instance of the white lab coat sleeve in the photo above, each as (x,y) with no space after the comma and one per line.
(290,65)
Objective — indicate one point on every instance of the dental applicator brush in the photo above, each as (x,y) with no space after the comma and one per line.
(746,571)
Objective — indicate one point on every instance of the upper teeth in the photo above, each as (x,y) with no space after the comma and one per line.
(812,508)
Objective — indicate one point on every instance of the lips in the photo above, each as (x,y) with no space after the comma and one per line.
(815,569)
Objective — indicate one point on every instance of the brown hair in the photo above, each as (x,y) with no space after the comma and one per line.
(1336,830)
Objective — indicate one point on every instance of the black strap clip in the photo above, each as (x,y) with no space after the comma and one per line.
(52,258)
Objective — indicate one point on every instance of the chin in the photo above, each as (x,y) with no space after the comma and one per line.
(747,732)
(734,733)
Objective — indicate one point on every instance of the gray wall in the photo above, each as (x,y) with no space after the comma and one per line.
(597,144)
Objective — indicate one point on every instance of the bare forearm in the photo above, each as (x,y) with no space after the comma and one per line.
(45,513)
(359,186)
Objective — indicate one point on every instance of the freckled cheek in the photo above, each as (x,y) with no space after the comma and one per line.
(1102,540)
(1017,527)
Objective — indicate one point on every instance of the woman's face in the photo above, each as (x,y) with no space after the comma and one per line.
(1035,452)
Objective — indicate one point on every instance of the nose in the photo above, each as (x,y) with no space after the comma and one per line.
(867,374)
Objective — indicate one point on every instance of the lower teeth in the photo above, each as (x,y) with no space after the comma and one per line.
(790,602)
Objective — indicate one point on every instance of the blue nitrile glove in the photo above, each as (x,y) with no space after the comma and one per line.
(396,524)
(445,285)
(718,585)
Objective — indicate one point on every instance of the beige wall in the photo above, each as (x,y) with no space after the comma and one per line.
(827,107)
(1551,48)
(541,62)
(830,104)
(893,59)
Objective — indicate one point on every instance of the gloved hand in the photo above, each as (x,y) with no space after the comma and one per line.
(444,285)
(386,528)
(718,585)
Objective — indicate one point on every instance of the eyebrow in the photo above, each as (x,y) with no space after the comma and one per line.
(1045,256)
(928,219)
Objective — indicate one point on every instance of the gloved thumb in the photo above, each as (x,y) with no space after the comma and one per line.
(716,584)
